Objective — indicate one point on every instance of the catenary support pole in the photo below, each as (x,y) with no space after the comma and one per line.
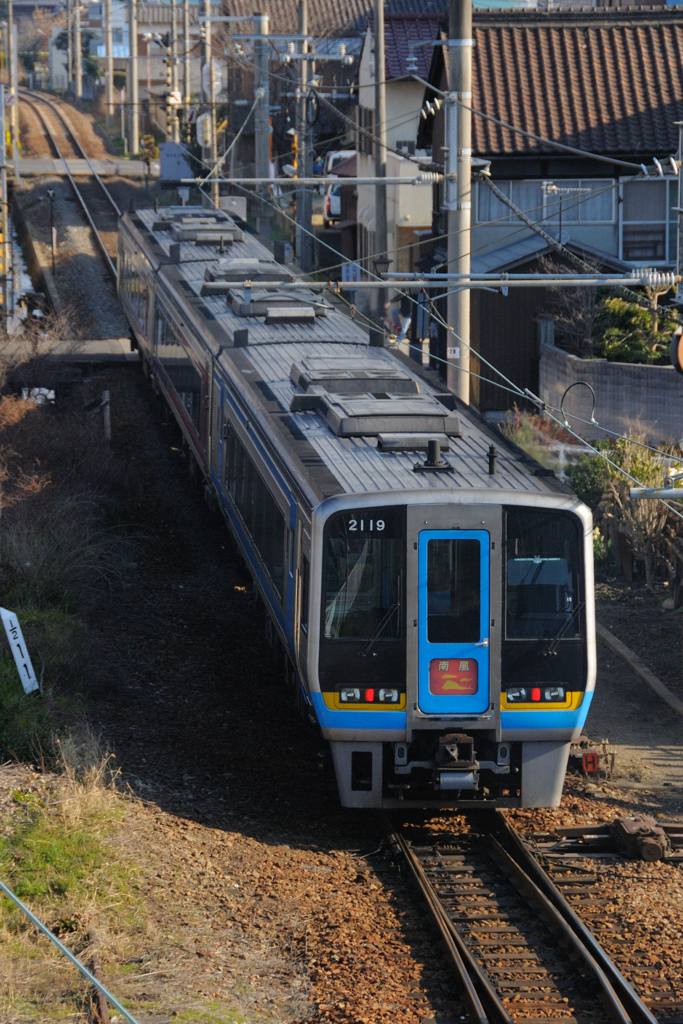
(187,66)
(458,160)
(109,60)
(133,84)
(175,84)
(78,51)
(262,117)
(12,48)
(4,220)
(304,248)
(69,44)
(14,109)
(380,152)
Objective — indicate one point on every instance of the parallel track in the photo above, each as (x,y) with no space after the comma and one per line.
(522,954)
(37,103)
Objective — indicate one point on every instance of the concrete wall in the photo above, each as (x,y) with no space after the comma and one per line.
(629,397)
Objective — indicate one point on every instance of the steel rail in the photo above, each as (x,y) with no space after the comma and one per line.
(619,999)
(77,193)
(635,1007)
(74,138)
(478,990)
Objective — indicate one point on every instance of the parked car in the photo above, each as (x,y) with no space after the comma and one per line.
(332,205)
(337,156)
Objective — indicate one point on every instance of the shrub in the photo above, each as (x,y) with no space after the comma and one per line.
(589,476)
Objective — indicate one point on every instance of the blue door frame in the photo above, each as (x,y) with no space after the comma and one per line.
(446,668)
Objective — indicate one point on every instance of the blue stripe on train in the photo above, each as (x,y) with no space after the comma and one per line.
(540,720)
(329,719)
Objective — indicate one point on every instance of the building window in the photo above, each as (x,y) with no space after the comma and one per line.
(366,124)
(257,507)
(648,221)
(590,201)
(407,146)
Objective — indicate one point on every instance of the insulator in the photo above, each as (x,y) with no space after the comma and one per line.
(427,178)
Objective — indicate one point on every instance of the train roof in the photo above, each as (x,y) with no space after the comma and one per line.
(355,417)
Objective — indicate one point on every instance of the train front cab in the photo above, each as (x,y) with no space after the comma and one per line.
(455,651)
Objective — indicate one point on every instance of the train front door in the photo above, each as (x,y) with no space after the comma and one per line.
(453,642)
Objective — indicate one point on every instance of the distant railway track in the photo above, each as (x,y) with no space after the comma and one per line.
(522,953)
(98,205)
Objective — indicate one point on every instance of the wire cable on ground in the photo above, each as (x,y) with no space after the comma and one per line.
(67,953)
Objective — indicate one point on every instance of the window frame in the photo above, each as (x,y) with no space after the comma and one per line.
(543,214)
(670,223)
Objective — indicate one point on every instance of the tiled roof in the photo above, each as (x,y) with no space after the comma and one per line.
(331,17)
(399,30)
(612,88)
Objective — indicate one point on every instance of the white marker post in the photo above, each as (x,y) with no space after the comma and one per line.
(21,657)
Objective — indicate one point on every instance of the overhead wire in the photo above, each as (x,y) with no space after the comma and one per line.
(512,387)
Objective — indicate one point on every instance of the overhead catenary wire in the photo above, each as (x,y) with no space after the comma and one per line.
(513,388)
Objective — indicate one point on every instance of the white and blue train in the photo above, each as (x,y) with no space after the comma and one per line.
(434,596)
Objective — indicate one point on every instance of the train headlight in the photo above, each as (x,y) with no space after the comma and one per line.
(349,695)
(554,693)
(517,695)
(389,696)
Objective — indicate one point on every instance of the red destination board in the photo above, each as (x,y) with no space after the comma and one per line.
(453,676)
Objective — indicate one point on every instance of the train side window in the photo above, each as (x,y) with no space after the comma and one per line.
(543,575)
(179,368)
(305,592)
(257,507)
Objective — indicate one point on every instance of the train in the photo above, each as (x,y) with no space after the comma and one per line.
(431,584)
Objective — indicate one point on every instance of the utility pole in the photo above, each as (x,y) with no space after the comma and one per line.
(4,220)
(78,51)
(458,191)
(187,67)
(380,154)
(304,203)
(173,57)
(210,151)
(133,89)
(109,60)
(12,48)
(262,119)
(69,43)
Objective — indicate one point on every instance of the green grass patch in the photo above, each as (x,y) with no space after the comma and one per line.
(57,645)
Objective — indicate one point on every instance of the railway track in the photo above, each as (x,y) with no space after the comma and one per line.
(96,201)
(522,953)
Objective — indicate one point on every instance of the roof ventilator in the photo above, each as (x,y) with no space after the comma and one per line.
(222,278)
(276,307)
(433,463)
(346,376)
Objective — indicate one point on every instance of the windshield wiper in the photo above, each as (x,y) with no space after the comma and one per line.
(551,649)
(384,622)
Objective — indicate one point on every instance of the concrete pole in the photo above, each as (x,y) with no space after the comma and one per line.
(12,68)
(4,225)
(215,186)
(69,44)
(133,85)
(187,65)
(380,151)
(459,193)
(109,60)
(304,198)
(262,119)
(14,115)
(175,84)
(78,51)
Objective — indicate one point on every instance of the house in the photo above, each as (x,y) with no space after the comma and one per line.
(408,207)
(603,81)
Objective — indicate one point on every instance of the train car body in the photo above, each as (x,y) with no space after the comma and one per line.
(439,618)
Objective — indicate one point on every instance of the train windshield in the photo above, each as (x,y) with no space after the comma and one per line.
(363,576)
(543,570)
